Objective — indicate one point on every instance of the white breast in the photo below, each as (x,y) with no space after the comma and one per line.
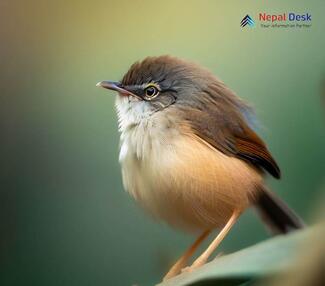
(177,177)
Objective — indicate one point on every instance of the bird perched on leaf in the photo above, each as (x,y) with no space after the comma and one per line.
(189,155)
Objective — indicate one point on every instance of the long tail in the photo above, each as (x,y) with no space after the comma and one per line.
(276,214)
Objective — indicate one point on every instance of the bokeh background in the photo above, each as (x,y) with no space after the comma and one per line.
(64,216)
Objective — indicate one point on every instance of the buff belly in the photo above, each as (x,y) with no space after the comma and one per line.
(183,181)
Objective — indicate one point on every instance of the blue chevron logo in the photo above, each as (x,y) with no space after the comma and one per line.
(247,20)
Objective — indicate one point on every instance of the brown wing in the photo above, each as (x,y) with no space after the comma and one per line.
(222,124)
(251,148)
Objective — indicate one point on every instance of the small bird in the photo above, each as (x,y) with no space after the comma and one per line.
(189,153)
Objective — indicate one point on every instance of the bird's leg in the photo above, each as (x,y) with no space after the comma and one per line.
(182,261)
(202,259)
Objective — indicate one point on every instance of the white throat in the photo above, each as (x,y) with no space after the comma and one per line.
(141,128)
(131,112)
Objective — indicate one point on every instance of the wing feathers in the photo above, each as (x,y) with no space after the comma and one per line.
(222,124)
(253,149)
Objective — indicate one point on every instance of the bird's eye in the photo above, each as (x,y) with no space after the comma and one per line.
(151,91)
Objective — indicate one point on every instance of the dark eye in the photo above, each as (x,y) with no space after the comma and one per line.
(151,91)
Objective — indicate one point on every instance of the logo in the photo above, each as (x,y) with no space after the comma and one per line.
(281,20)
(247,20)
(284,17)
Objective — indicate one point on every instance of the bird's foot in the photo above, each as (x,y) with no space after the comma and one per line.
(196,264)
(175,270)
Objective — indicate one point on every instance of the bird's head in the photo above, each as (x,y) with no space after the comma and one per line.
(156,83)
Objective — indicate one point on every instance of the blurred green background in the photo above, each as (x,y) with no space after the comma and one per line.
(64,216)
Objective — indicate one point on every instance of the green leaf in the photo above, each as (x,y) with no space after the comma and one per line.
(247,265)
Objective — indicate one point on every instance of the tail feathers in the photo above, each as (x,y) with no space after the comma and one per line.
(276,214)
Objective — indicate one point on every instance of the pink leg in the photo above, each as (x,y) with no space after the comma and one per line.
(182,262)
(202,259)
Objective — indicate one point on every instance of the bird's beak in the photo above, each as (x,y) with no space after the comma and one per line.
(112,85)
